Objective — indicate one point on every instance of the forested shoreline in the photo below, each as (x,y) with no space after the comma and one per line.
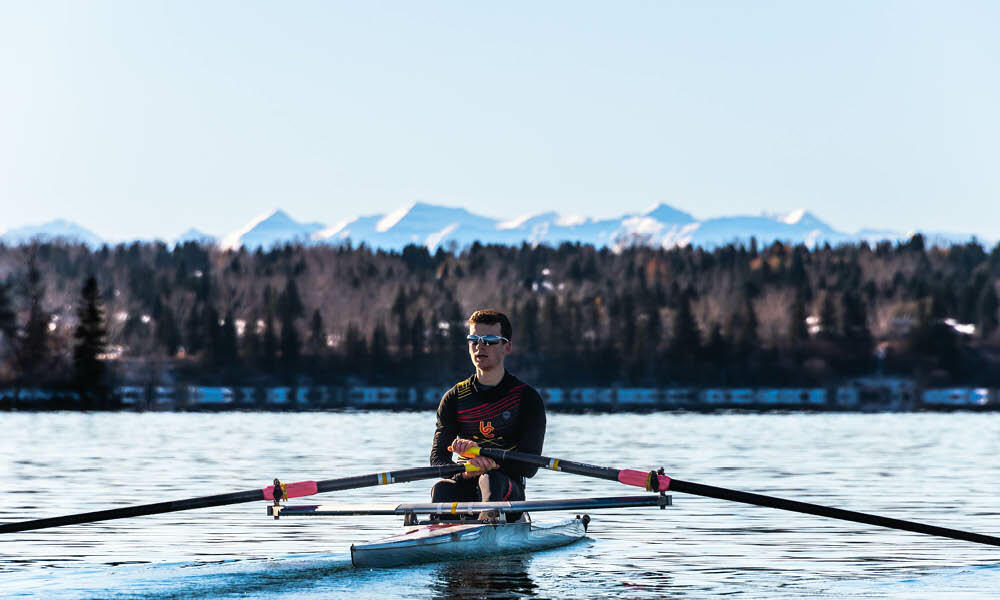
(737,315)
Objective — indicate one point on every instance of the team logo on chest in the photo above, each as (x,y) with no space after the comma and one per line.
(486,428)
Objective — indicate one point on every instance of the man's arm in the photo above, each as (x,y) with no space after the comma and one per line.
(446,430)
(532,434)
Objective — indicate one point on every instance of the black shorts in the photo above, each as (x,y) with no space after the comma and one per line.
(503,488)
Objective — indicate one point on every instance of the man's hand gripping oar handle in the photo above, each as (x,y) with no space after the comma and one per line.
(470,453)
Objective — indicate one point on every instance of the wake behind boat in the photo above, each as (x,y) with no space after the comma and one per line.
(440,540)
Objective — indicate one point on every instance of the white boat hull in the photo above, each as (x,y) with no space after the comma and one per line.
(452,541)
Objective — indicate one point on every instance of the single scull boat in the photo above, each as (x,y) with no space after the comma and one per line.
(439,539)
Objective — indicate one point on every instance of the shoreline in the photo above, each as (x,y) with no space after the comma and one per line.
(862,395)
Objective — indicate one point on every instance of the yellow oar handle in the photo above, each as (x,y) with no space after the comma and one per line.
(470,468)
(473,451)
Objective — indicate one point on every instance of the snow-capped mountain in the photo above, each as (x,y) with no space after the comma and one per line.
(59,229)
(194,235)
(270,229)
(661,225)
(417,223)
(437,226)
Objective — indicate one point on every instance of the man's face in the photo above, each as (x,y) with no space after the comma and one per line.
(486,357)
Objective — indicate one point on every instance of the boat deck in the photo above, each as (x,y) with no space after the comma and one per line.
(431,542)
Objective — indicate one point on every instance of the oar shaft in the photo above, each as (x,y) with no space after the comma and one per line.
(664,483)
(555,464)
(709,491)
(291,490)
(134,511)
(388,477)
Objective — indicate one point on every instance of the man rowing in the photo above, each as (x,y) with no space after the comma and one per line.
(491,409)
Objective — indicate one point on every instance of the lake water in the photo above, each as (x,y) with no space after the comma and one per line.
(942,469)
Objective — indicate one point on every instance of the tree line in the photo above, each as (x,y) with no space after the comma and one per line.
(779,315)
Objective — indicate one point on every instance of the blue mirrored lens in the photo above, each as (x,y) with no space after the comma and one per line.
(489,340)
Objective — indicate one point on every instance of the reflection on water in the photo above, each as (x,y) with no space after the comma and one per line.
(933,468)
(498,577)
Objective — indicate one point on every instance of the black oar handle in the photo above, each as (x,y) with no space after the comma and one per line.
(294,490)
(665,483)
(388,477)
(555,464)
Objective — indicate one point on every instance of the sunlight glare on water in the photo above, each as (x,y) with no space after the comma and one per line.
(935,468)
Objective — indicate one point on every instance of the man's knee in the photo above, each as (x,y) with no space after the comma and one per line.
(444,490)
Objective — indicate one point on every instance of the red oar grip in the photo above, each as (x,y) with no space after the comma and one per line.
(642,479)
(292,490)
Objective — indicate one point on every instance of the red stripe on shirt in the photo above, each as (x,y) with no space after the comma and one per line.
(490,414)
(485,408)
(473,408)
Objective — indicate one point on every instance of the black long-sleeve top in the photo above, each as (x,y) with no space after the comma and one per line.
(510,415)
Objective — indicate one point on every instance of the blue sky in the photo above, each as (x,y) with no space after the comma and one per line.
(143,118)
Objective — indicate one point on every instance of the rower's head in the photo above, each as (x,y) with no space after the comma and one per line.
(489,340)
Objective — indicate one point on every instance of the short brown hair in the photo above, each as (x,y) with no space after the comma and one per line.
(492,317)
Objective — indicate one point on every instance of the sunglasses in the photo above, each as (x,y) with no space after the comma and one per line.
(489,340)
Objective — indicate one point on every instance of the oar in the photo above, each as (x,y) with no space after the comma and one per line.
(658,482)
(286,491)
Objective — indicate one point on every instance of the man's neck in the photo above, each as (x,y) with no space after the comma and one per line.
(491,377)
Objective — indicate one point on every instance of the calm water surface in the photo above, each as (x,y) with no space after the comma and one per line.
(937,468)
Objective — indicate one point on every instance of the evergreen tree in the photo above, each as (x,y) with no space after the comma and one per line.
(685,338)
(798,329)
(228,356)
(654,325)
(627,319)
(935,339)
(743,329)
(194,330)
(290,308)
(717,349)
(212,328)
(797,275)
(528,324)
(418,334)
(854,322)
(269,344)
(34,354)
(90,337)
(439,341)
(380,352)
(355,349)
(828,318)
(986,310)
(552,344)
(398,311)
(8,319)
(290,302)
(252,345)
(166,331)
(317,335)
(291,347)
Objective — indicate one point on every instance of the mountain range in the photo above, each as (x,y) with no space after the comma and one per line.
(436,226)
